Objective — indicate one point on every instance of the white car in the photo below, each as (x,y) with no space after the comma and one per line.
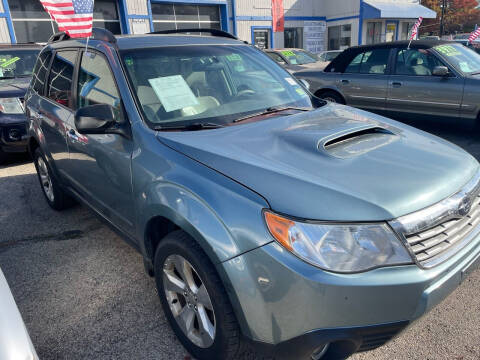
(15,343)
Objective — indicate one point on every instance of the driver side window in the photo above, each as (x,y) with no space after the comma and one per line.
(96,84)
(416,62)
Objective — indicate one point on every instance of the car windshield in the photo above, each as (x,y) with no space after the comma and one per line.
(299,57)
(17,62)
(181,86)
(461,57)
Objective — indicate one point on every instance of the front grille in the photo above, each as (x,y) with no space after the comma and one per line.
(432,244)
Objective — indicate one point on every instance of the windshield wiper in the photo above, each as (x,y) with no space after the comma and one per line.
(191,127)
(7,77)
(271,110)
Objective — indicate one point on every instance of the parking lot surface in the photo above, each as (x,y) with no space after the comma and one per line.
(83,292)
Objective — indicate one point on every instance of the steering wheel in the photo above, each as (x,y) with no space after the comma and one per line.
(246,93)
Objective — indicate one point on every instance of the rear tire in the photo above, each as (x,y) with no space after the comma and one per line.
(332,97)
(55,195)
(188,285)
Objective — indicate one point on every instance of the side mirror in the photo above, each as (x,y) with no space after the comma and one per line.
(94,119)
(440,71)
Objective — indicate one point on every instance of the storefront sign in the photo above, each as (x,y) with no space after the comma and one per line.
(315,36)
(278,16)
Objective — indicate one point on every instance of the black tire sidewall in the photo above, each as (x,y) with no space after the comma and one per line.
(220,348)
(338,99)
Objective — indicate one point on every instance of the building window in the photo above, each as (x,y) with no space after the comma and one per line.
(31,22)
(261,38)
(105,15)
(406,26)
(293,37)
(173,16)
(339,37)
(374,32)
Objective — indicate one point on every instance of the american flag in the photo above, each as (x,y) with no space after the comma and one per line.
(415,28)
(474,35)
(75,17)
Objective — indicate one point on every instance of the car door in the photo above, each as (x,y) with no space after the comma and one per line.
(414,89)
(100,164)
(52,110)
(364,80)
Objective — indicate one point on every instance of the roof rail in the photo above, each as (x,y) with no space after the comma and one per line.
(213,32)
(97,34)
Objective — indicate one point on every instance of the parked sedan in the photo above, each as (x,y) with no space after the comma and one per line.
(429,78)
(15,342)
(16,66)
(296,59)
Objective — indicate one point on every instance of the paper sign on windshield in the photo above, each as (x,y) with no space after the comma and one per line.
(173,92)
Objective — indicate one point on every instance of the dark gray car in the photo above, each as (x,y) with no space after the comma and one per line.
(431,78)
(16,66)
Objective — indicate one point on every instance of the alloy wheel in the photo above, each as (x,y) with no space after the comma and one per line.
(45,179)
(189,301)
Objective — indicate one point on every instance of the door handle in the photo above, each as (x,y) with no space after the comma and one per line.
(344,81)
(396,84)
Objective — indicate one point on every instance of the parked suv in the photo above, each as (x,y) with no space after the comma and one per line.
(426,79)
(16,66)
(273,222)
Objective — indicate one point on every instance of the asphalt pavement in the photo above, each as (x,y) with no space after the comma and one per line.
(83,292)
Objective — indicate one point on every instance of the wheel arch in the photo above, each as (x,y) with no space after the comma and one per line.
(174,208)
(323,91)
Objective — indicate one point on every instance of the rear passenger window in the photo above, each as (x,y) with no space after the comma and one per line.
(96,84)
(61,76)
(370,62)
(40,72)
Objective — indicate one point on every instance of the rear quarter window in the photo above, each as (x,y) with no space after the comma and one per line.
(40,72)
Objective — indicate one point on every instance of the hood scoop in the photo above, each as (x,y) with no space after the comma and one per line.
(357,142)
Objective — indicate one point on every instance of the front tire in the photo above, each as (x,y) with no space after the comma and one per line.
(194,299)
(56,197)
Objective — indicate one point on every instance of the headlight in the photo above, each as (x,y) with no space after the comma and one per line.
(339,247)
(11,106)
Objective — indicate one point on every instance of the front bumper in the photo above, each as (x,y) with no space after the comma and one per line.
(280,298)
(13,133)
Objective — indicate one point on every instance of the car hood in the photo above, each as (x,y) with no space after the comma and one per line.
(334,163)
(14,87)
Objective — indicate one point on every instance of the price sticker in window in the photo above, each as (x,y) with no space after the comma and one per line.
(448,50)
(234,57)
(288,53)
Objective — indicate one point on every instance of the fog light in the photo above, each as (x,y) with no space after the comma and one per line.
(318,354)
(14,134)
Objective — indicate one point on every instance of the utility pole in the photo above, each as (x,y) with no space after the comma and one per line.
(444,5)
